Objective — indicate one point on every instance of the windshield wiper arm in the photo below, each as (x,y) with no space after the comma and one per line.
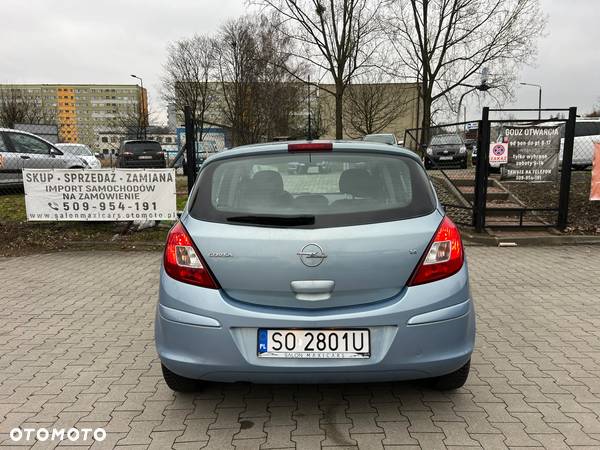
(289,221)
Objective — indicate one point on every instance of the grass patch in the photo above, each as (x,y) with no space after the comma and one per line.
(12,207)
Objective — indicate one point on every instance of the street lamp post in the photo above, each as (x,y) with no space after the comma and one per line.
(482,87)
(539,97)
(142,118)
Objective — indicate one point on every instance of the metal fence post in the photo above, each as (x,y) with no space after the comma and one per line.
(565,176)
(481,171)
(190,144)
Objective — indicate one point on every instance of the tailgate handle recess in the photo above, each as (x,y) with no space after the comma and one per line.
(313,290)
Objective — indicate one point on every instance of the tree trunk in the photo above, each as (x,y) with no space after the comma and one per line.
(426,120)
(339,96)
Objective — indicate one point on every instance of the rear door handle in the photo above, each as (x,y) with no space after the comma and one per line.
(313,290)
(25,157)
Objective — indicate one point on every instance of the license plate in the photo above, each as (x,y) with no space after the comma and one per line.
(446,158)
(145,157)
(314,344)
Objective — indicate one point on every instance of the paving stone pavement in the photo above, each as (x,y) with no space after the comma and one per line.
(76,350)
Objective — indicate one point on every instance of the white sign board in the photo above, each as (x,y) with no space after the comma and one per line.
(499,153)
(472,126)
(104,194)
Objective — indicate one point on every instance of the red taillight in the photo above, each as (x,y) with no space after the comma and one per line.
(183,261)
(311,147)
(444,256)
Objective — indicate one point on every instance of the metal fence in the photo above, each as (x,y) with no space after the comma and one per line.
(473,192)
(447,153)
(478,192)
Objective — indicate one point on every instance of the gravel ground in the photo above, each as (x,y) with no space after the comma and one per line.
(584,215)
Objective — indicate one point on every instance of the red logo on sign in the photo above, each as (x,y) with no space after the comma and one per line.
(498,150)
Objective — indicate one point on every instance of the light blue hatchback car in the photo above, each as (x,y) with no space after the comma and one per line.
(350,275)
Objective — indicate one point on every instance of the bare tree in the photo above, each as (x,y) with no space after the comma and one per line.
(258,94)
(190,66)
(373,104)
(18,106)
(133,122)
(444,44)
(338,37)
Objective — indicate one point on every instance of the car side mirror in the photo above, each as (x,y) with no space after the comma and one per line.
(55,151)
(97,155)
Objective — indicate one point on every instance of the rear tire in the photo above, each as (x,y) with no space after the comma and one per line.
(178,383)
(453,380)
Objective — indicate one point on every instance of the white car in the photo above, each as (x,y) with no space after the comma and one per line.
(587,133)
(83,152)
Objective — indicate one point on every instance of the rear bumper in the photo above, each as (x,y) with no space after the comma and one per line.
(214,338)
(456,159)
(142,164)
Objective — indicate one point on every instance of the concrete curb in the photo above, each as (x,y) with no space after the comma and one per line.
(472,239)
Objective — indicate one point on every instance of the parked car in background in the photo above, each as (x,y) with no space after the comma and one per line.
(83,152)
(446,150)
(22,150)
(384,138)
(141,154)
(352,276)
(587,133)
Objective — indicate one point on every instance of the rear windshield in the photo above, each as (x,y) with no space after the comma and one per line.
(446,139)
(587,129)
(79,150)
(312,190)
(141,147)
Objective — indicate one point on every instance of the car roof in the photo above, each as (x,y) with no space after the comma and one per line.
(12,130)
(338,145)
(140,141)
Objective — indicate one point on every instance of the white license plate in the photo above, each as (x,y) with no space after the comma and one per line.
(313,344)
(145,157)
(446,158)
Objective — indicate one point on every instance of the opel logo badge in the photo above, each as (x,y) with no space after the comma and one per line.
(311,255)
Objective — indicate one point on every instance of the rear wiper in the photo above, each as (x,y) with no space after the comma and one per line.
(283,221)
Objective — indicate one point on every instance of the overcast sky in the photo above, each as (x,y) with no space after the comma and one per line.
(75,41)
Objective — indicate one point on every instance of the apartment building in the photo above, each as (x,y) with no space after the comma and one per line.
(82,111)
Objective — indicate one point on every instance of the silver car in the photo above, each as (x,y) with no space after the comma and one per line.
(384,138)
(21,150)
(353,275)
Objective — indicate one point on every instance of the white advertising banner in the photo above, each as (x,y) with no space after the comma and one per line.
(100,195)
